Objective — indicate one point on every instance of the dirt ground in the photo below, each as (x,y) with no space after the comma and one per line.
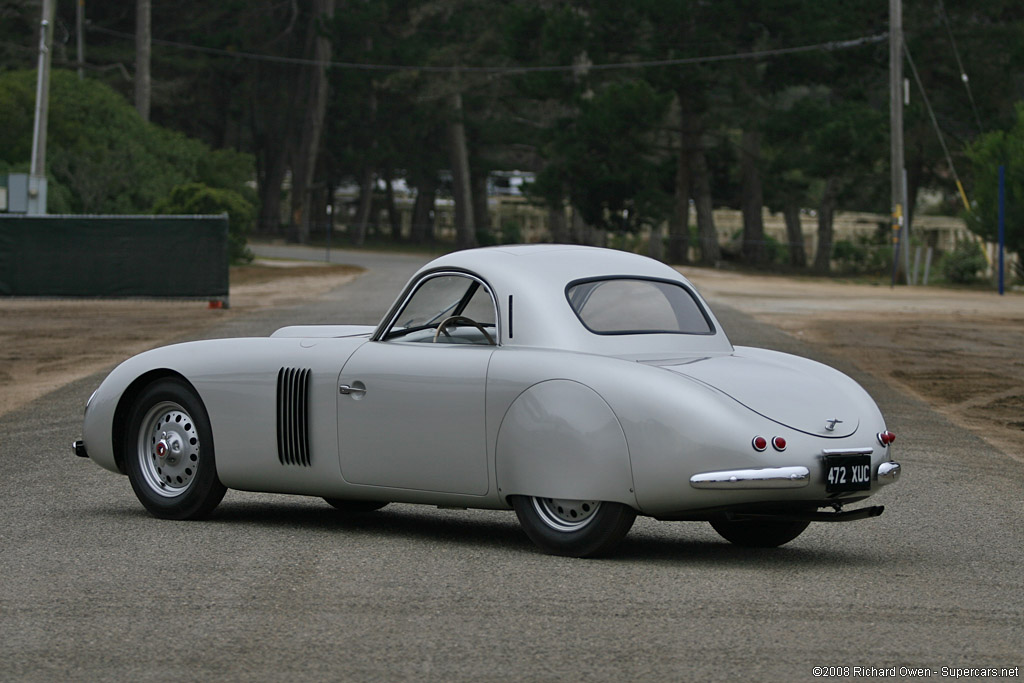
(46,343)
(961,351)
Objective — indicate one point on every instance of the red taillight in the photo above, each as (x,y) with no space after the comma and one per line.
(779,444)
(760,443)
(885,438)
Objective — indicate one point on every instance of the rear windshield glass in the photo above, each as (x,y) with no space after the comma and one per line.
(636,306)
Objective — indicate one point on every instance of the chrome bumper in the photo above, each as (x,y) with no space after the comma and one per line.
(775,477)
(888,472)
(764,478)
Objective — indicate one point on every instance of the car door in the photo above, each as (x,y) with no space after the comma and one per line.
(411,401)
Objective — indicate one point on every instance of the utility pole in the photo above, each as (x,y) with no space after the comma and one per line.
(896,131)
(80,37)
(37,174)
(143,40)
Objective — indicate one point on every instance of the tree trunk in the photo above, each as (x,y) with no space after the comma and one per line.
(362,218)
(823,257)
(422,229)
(752,200)
(481,212)
(271,179)
(557,225)
(710,250)
(394,218)
(679,223)
(465,228)
(795,236)
(313,122)
(143,51)
(581,232)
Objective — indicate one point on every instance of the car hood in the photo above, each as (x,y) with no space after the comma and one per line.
(800,394)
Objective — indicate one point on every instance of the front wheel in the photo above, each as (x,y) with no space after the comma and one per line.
(168,448)
(758,533)
(575,528)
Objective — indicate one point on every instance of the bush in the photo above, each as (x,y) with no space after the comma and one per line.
(775,251)
(863,254)
(102,158)
(962,265)
(196,198)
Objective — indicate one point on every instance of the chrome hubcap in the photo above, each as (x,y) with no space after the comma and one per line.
(566,515)
(168,449)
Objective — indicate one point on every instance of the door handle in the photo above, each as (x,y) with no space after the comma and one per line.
(347,389)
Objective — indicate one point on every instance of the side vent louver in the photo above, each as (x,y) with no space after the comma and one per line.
(293,416)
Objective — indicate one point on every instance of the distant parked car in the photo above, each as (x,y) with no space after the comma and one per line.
(580,387)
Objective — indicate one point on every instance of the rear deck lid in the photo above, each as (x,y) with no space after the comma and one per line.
(798,395)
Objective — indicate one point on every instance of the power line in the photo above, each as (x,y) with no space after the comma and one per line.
(960,64)
(938,131)
(827,46)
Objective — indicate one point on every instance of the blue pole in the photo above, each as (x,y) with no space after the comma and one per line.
(1002,224)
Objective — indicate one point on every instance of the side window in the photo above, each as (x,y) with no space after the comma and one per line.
(446,309)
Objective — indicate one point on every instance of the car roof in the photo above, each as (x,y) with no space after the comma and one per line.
(556,262)
(531,279)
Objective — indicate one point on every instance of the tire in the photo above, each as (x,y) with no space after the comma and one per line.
(355,506)
(758,533)
(574,528)
(169,454)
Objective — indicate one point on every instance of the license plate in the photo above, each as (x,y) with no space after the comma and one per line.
(847,473)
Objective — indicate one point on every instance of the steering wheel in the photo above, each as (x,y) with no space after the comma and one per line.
(461,320)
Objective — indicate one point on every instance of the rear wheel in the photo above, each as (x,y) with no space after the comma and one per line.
(168,448)
(575,528)
(355,506)
(758,533)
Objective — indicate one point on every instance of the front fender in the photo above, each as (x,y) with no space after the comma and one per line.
(560,439)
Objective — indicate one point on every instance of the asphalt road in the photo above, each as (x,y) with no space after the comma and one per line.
(282,587)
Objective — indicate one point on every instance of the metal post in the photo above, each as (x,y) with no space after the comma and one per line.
(37,174)
(896,125)
(1002,226)
(927,265)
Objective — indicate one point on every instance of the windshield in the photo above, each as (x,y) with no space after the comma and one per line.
(442,304)
(637,306)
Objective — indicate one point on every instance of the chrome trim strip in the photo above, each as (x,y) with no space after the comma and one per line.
(764,478)
(847,451)
(888,472)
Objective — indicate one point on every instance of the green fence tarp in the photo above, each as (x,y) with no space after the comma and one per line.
(114,256)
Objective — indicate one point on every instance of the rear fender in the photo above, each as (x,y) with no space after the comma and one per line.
(560,439)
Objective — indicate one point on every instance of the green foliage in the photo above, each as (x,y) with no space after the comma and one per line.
(196,198)
(987,154)
(603,158)
(775,252)
(862,254)
(101,157)
(962,265)
(511,231)
(822,114)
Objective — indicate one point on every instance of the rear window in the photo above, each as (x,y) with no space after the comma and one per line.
(637,306)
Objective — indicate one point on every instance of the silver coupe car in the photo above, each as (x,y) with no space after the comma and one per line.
(580,387)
